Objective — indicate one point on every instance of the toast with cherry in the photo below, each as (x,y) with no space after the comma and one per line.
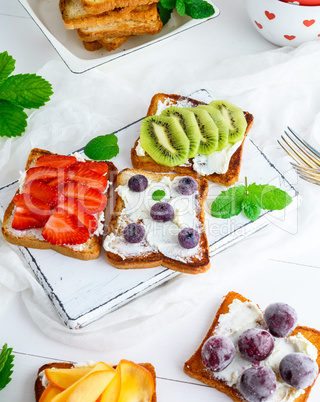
(60,204)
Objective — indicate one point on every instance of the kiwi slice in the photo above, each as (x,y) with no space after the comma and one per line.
(189,124)
(164,140)
(209,132)
(234,117)
(220,122)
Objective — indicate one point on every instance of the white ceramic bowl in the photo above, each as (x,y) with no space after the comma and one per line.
(284,24)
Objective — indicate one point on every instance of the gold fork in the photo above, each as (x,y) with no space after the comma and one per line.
(307,158)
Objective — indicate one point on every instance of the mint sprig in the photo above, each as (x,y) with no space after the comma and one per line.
(158,195)
(196,9)
(250,199)
(19,92)
(103,147)
(6,365)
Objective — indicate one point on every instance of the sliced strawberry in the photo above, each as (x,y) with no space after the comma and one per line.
(92,199)
(29,212)
(41,173)
(87,176)
(99,167)
(74,207)
(63,228)
(44,192)
(56,161)
(60,180)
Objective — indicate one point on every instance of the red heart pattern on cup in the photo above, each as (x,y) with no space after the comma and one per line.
(269,15)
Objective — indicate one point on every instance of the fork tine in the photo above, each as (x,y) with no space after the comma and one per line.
(310,148)
(306,171)
(310,180)
(306,157)
(293,156)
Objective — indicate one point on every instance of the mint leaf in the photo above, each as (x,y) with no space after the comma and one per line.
(251,208)
(27,90)
(7,65)
(181,7)
(274,198)
(164,13)
(256,191)
(199,9)
(158,195)
(228,203)
(103,147)
(168,4)
(13,120)
(6,365)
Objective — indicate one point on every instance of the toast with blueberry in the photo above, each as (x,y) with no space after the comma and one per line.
(186,136)
(284,365)
(158,220)
(60,204)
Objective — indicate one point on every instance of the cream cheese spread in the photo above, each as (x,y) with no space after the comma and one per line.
(160,236)
(245,315)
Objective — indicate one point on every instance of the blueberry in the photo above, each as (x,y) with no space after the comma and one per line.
(187,185)
(134,232)
(298,370)
(188,238)
(217,353)
(162,212)
(257,384)
(138,183)
(281,319)
(255,344)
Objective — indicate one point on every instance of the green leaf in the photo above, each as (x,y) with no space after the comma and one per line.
(13,120)
(6,365)
(164,13)
(228,203)
(181,7)
(168,4)
(256,191)
(274,198)
(7,65)
(251,208)
(27,90)
(103,147)
(158,195)
(199,9)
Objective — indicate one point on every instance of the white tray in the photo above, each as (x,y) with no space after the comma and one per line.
(47,16)
(84,291)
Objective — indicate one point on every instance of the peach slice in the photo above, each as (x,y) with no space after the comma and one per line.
(64,378)
(112,392)
(87,389)
(137,384)
(49,393)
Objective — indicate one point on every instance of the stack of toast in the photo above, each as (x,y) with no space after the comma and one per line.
(109,24)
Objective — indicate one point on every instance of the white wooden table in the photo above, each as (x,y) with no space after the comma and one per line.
(229,35)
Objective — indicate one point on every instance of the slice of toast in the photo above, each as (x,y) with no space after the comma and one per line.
(87,251)
(100,6)
(109,44)
(74,16)
(144,20)
(162,101)
(146,254)
(196,369)
(39,387)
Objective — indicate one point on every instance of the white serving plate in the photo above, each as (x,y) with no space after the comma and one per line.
(46,14)
(84,291)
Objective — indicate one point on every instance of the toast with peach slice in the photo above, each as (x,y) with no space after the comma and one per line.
(99,381)
(195,367)
(60,204)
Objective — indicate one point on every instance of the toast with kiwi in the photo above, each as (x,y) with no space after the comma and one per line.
(46,389)
(158,220)
(54,208)
(231,374)
(186,136)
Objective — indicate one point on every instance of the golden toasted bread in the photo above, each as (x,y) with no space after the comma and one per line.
(100,6)
(74,16)
(87,251)
(161,101)
(146,254)
(144,20)
(39,387)
(195,368)
(108,43)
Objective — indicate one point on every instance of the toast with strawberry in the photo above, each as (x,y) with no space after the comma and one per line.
(60,204)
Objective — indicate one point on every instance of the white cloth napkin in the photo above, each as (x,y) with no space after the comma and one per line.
(279,87)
